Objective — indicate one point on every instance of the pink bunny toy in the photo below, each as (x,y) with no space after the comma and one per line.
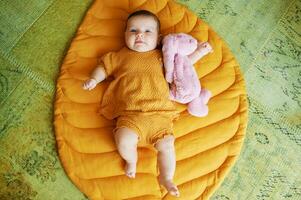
(180,52)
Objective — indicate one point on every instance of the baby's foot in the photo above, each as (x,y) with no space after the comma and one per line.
(170,187)
(130,170)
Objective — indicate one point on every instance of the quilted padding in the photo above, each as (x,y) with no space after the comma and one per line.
(206,148)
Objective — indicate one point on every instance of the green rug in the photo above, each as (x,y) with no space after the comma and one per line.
(265,37)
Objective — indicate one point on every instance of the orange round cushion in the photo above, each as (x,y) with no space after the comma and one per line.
(206,148)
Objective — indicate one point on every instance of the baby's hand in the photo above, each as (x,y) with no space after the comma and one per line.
(204,48)
(89,84)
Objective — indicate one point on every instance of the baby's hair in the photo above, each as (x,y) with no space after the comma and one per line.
(145,13)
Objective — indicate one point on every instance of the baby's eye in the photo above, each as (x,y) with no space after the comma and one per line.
(133,30)
(147,31)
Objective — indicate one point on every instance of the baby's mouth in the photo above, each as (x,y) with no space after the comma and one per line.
(139,42)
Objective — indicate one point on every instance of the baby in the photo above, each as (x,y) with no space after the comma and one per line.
(138,96)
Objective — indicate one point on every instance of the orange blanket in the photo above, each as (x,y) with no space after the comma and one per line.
(206,148)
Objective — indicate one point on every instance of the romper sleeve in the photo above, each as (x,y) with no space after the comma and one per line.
(109,62)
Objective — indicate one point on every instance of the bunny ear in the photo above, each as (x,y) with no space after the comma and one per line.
(168,41)
(169,51)
(180,35)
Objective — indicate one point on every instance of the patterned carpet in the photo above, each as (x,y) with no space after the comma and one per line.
(265,37)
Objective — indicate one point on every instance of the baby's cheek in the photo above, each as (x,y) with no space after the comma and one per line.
(130,41)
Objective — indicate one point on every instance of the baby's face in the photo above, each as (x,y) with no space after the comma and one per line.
(142,33)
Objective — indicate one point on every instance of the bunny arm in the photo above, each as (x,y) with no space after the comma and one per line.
(202,49)
(195,56)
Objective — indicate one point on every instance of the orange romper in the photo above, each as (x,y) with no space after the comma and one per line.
(138,96)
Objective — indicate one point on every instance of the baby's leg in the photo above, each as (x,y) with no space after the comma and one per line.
(167,164)
(126,141)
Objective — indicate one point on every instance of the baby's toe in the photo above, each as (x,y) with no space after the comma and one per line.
(130,170)
(174,191)
(130,175)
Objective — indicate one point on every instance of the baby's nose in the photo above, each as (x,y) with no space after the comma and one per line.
(139,34)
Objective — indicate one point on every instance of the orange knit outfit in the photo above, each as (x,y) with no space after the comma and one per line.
(139,94)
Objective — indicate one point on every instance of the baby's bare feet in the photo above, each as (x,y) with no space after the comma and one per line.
(170,187)
(130,170)
(89,84)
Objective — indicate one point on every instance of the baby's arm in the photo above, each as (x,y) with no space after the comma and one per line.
(202,50)
(98,75)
